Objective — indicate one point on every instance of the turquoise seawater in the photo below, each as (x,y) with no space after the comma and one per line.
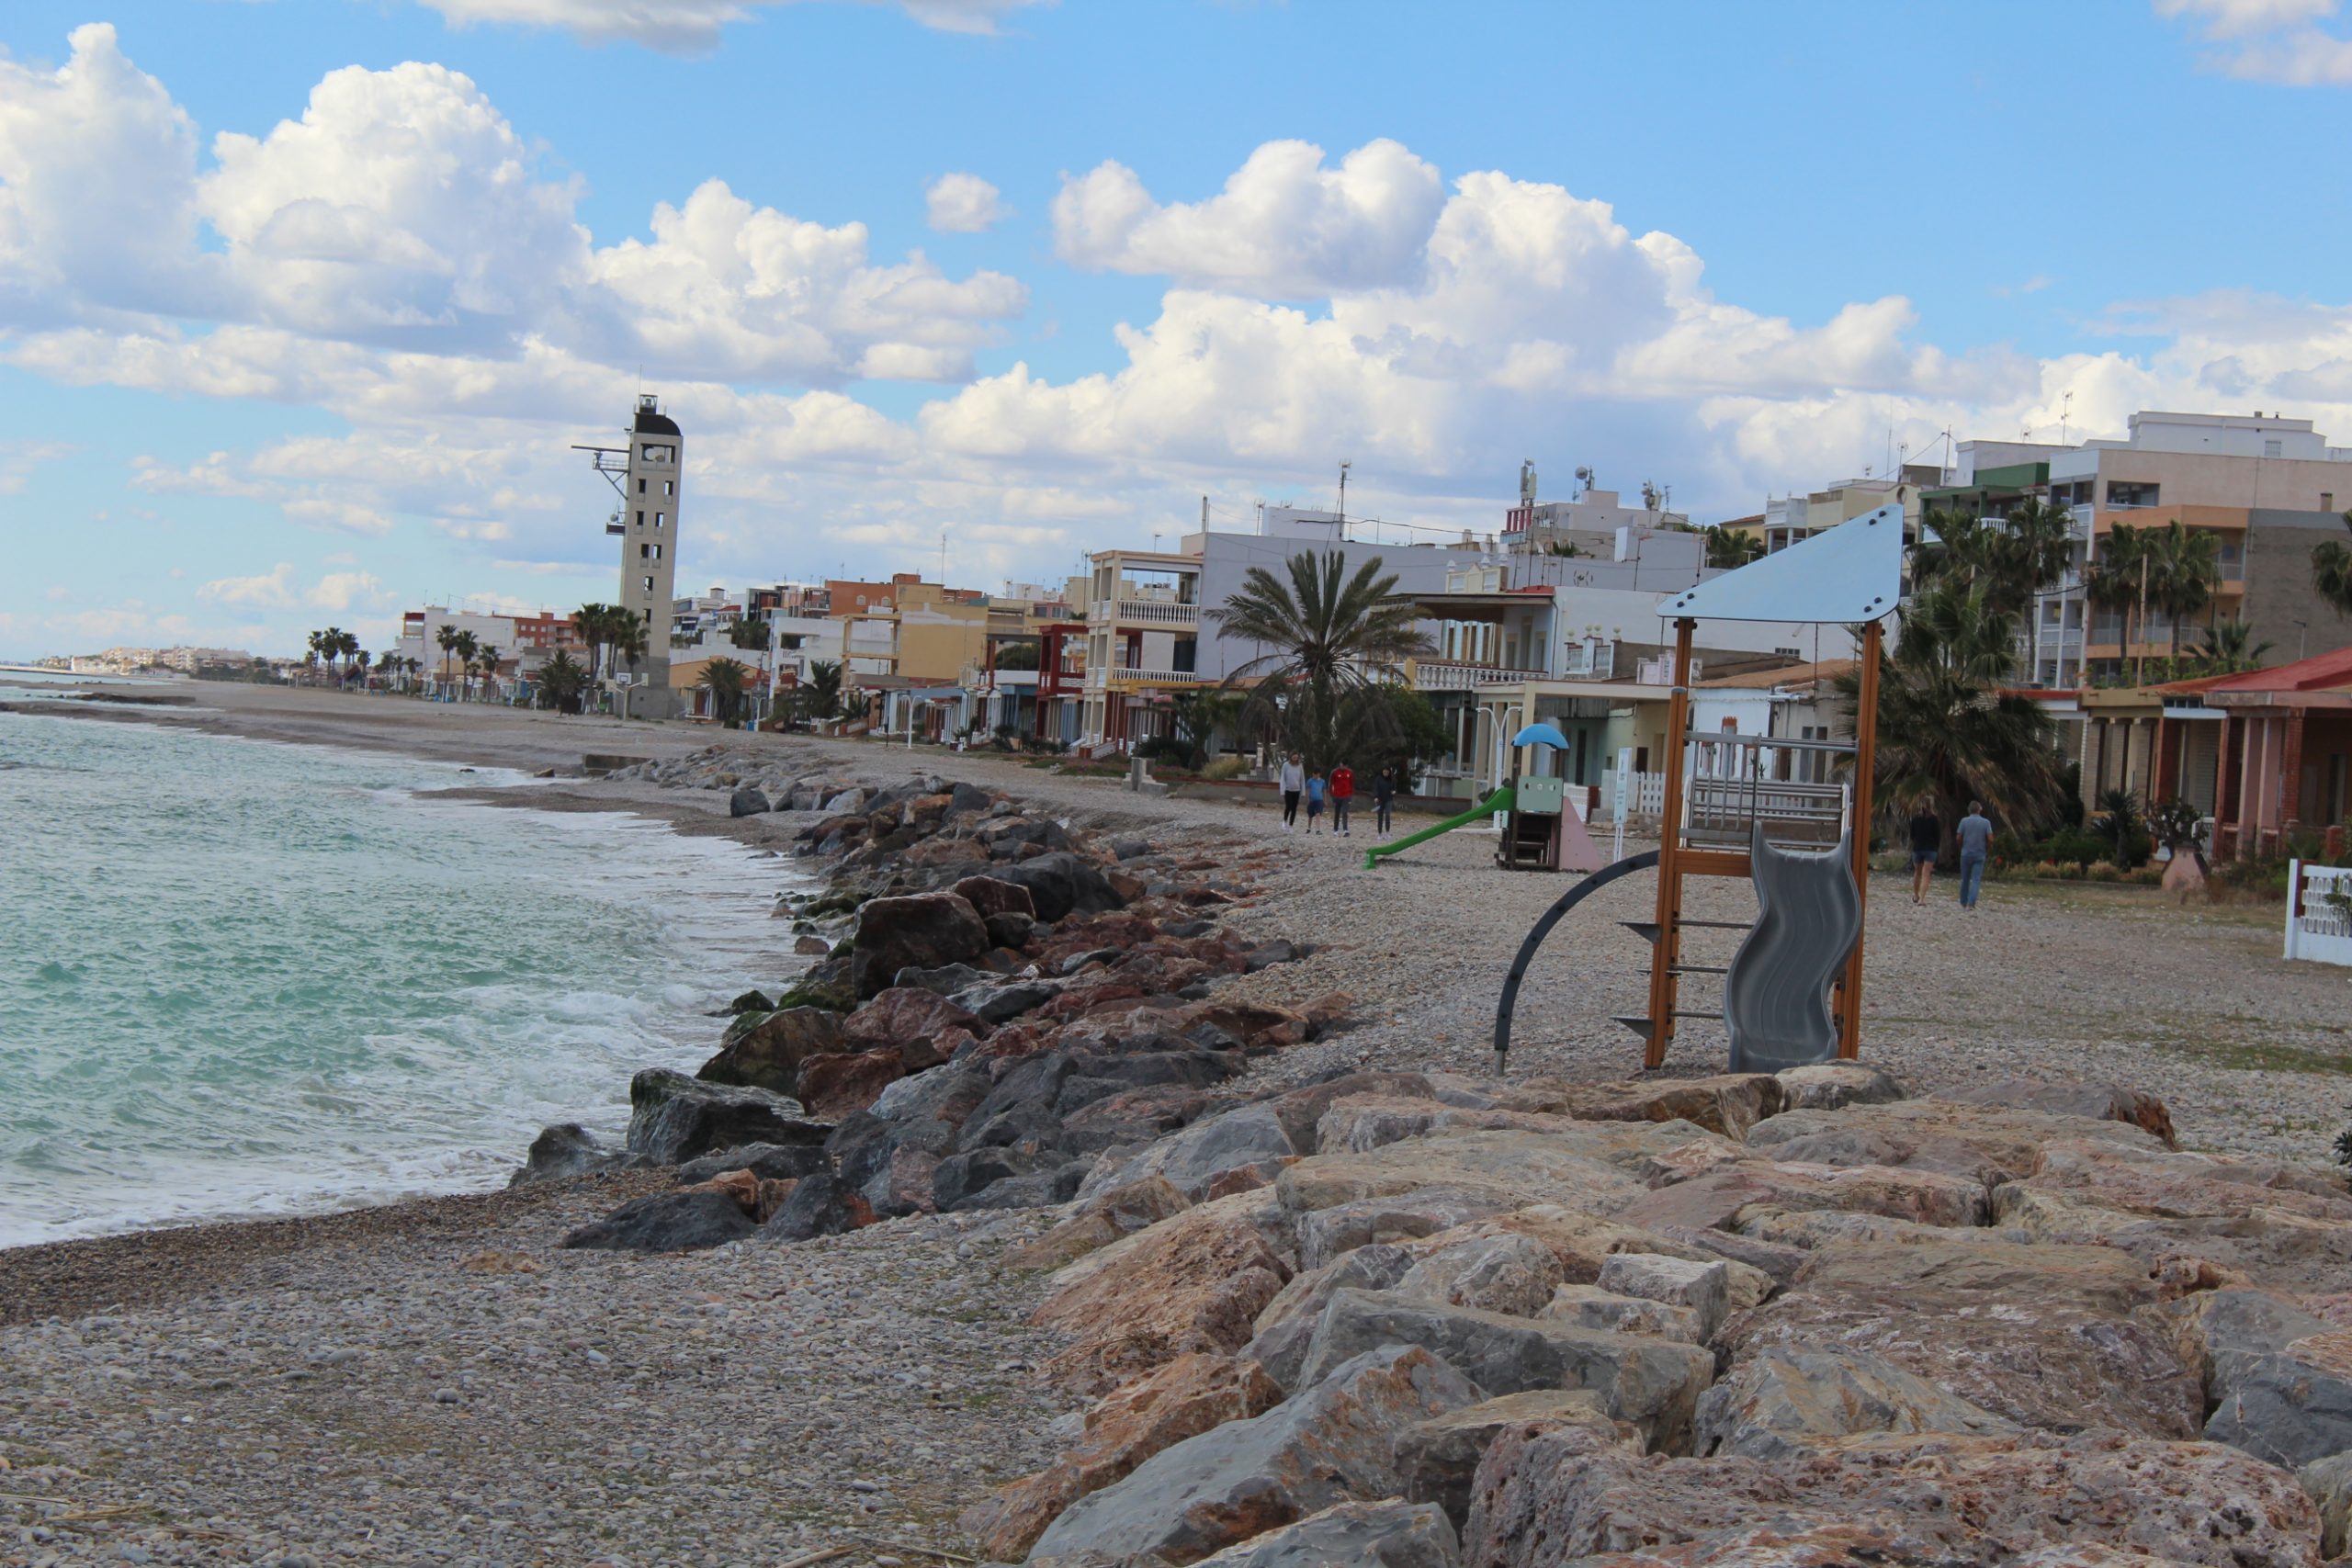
(239,979)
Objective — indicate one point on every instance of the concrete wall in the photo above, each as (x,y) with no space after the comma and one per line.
(2278,591)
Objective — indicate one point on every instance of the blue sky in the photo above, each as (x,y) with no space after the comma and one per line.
(302,302)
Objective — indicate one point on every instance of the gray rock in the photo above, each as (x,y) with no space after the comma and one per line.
(1394,1534)
(1285,1328)
(947,979)
(1001,1003)
(1790,1397)
(1266,954)
(673,1118)
(1508,1273)
(1653,1384)
(769,1162)
(1438,1458)
(1130,848)
(1830,1085)
(1333,1444)
(1078,960)
(2328,1482)
(667,1222)
(567,1150)
(821,1205)
(1589,1306)
(746,803)
(1325,1234)
(1705,1287)
(1061,885)
(2274,1389)
(1249,1138)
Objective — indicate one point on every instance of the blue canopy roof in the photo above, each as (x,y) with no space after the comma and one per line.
(1541,735)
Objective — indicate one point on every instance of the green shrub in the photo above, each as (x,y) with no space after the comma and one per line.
(1225,768)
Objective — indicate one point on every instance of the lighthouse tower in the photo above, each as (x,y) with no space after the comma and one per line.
(649,498)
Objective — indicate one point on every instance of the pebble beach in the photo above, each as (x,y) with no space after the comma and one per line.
(438,1381)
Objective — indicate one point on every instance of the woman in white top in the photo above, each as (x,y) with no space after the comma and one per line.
(1292,782)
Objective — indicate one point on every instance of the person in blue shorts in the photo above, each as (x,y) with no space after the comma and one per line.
(1315,788)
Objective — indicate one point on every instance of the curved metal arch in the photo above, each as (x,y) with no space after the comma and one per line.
(1541,928)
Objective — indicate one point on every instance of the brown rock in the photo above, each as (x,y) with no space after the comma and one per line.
(1186,1397)
(2043,1336)
(768,1055)
(835,1087)
(1565,1496)
(740,1185)
(1101,1220)
(1255,1023)
(1301,1109)
(1729,1104)
(1438,1458)
(811,946)
(924,931)
(2006,1144)
(2098,1102)
(1192,1282)
(924,1026)
(994,895)
(1723,1197)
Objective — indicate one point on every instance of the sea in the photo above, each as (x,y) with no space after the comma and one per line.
(239,979)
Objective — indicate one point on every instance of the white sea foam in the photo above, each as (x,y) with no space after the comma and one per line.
(241,978)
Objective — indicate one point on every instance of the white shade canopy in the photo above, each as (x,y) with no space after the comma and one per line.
(1848,573)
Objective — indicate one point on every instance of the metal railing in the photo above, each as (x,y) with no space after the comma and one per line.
(1727,791)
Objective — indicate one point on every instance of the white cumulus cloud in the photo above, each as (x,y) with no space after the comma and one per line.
(964,203)
(692,26)
(2284,41)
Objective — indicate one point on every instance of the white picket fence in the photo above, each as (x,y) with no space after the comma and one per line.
(1644,792)
(2319,913)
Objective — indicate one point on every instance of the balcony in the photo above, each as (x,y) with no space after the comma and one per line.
(1123,676)
(1145,612)
(1455,675)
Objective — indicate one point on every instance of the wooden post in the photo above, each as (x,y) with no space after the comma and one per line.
(1668,950)
(1849,1006)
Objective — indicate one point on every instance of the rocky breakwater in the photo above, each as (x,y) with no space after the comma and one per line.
(1007,1012)
(1422,1321)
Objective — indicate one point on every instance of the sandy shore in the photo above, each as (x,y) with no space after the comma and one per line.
(437,1381)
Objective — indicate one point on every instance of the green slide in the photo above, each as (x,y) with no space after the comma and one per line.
(1501,800)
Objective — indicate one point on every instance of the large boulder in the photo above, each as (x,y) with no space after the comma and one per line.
(1060,884)
(1249,1140)
(924,1027)
(819,1205)
(673,1118)
(566,1150)
(1391,1534)
(1438,1458)
(1559,1497)
(1653,1384)
(1506,1272)
(1190,1395)
(922,931)
(668,1222)
(1333,1444)
(1731,1197)
(746,802)
(1286,1326)
(1192,1283)
(767,1050)
(846,1083)
(1831,1086)
(766,1162)
(2278,1380)
(1702,1289)
(2045,1336)
(1791,1397)
(1101,1219)
(2134,1107)
(1730,1103)
(2328,1483)
(995,895)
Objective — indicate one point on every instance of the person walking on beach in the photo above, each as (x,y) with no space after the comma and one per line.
(1344,793)
(1315,788)
(1292,782)
(1927,843)
(1383,795)
(1975,840)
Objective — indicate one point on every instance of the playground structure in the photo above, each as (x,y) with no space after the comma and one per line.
(1540,830)
(1793,992)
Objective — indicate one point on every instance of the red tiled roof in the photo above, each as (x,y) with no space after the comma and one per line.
(2321,672)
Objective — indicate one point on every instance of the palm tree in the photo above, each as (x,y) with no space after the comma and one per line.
(2117,579)
(466,646)
(751,635)
(447,635)
(348,646)
(1728,549)
(2014,558)
(627,635)
(724,677)
(820,693)
(1947,732)
(561,679)
(361,658)
(1197,717)
(594,625)
(2188,572)
(1334,638)
(2229,649)
(486,660)
(2331,572)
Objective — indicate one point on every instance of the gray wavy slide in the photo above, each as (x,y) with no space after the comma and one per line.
(1776,997)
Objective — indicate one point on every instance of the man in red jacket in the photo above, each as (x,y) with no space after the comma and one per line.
(1343,791)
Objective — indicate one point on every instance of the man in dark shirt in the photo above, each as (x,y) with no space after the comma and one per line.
(1927,843)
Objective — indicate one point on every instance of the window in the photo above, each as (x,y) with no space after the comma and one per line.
(668,487)
(640,486)
(2272,447)
(660,454)
(657,552)
(645,552)
(2121,492)
(649,585)
(660,518)
(640,517)
(2327,501)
